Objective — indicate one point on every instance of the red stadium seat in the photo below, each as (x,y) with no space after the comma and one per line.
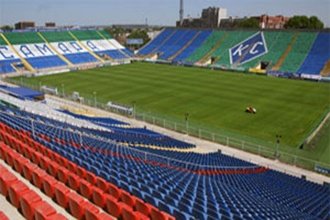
(28,169)
(44,211)
(91,178)
(85,189)
(91,212)
(48,186)
(113,207)
(6,179)
(73,181)
(114,191)
(81,172)
(127,198)
(52,169)
(103,216)
(16,191)
(28,204)
(99,197)
(76,205)
(37,177)
(159,215)
(102,184)
(3,216)
(129,214)
(61,195)
(18,164)
(143,207)
(72,167)
(62,175)
(44,162)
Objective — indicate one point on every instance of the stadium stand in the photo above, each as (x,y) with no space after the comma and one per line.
(185,185)
(32,47)
(57,49)
(318,56)
(286,50)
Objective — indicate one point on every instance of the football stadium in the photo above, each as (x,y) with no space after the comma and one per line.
(198,123)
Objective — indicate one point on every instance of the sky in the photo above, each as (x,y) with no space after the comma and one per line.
(157,12)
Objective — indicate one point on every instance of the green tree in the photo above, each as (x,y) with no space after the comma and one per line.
(6,28)
(141,34)
(315,23)
(249,23)
(303,22)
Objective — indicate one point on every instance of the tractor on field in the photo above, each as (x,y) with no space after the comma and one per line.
(250,109)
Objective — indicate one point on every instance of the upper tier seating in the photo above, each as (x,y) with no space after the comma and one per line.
(318,55)
(57,36)
(23,37)
(87,35)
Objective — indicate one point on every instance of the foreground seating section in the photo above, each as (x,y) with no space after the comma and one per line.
(56,188)
(181,189)
(28,202)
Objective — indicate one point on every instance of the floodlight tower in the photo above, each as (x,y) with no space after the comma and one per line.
(181,12)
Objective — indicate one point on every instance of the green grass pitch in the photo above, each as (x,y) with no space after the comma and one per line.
(215,100)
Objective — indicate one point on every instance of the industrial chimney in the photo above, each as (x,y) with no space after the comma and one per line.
(181,12)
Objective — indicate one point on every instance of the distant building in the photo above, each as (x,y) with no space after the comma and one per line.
(211,18)
(272,22)
(50,24)
(265,21)
(24,25)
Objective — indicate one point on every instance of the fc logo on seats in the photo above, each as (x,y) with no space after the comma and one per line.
(249,49)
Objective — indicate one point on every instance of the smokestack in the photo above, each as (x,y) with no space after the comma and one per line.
(181,12)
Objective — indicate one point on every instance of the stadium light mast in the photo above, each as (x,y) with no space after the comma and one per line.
(181,12)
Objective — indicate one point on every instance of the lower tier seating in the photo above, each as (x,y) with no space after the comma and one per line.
(186,190)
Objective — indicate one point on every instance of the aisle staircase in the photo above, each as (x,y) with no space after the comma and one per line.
(160,45)
(83,46)
(326,69)
(185,46)
(209,54)
(279,63)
